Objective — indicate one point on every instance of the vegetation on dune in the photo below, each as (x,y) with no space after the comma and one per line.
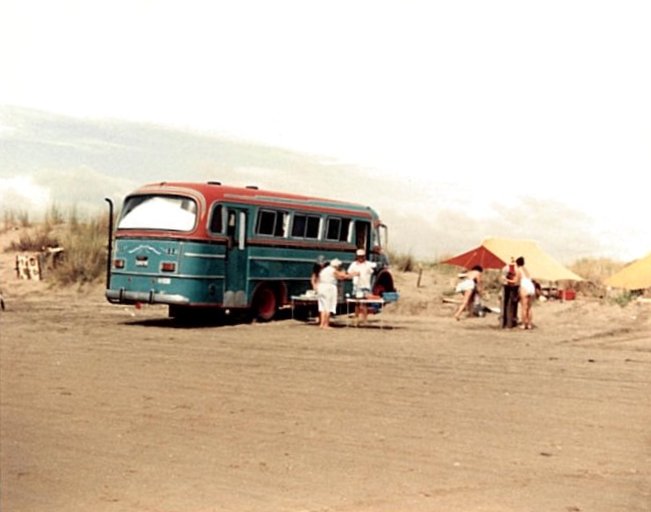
(402,262)
(595,271)
(83,241)
(13,219)
(85,253)
(36,240)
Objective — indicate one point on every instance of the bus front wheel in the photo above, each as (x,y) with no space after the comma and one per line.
(264,304)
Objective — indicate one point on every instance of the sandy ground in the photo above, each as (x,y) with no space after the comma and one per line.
(107,408)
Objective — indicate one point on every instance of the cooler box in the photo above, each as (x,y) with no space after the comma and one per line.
(566,294)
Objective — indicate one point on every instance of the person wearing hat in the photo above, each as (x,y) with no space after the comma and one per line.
(361,271)
(327,291)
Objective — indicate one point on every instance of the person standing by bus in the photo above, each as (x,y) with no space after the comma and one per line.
(327,291)
(316,270)
(361,271)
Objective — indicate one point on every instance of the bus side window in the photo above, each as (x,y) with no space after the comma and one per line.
(333,228)
(337,229)
(216,225)
(272,223)
(306,226)
(298,227)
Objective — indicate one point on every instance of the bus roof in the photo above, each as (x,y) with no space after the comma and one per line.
(213,191)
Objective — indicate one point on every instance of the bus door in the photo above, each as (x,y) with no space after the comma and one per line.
(236,268)
(362,234)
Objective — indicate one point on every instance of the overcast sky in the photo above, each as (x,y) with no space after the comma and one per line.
(539,110)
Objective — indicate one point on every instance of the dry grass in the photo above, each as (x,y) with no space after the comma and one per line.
(13,219)
(35,240)
(595,271)
(84,243)
(85,252)
(402,262)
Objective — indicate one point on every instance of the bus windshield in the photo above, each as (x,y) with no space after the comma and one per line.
(174,213)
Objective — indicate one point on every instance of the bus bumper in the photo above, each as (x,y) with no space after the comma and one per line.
(123,296)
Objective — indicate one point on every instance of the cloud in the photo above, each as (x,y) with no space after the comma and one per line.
(22,194)
(79,162)
(450,231)
(82,188)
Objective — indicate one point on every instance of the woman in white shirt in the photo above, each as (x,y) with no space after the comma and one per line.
(327,291)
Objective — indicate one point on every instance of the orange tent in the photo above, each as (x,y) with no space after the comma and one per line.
(477,256)
(635,276)
(497,252)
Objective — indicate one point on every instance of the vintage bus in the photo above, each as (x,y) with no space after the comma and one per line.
(195,246)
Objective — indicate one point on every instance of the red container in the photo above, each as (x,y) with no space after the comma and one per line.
(566,294)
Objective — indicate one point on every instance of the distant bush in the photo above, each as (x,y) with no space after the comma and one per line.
(444,268)
(35,241)
(85,256)
(595,271)
(624,298)
(402,262)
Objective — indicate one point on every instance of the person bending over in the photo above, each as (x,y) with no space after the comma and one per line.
(470,287)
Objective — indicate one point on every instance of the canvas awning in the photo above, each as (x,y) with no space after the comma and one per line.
(497,252)
(636,276)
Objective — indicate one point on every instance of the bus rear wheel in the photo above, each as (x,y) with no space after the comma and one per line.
(264,304)
(383,283)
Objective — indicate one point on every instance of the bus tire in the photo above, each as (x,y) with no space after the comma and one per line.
(383,283)
(265,304)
